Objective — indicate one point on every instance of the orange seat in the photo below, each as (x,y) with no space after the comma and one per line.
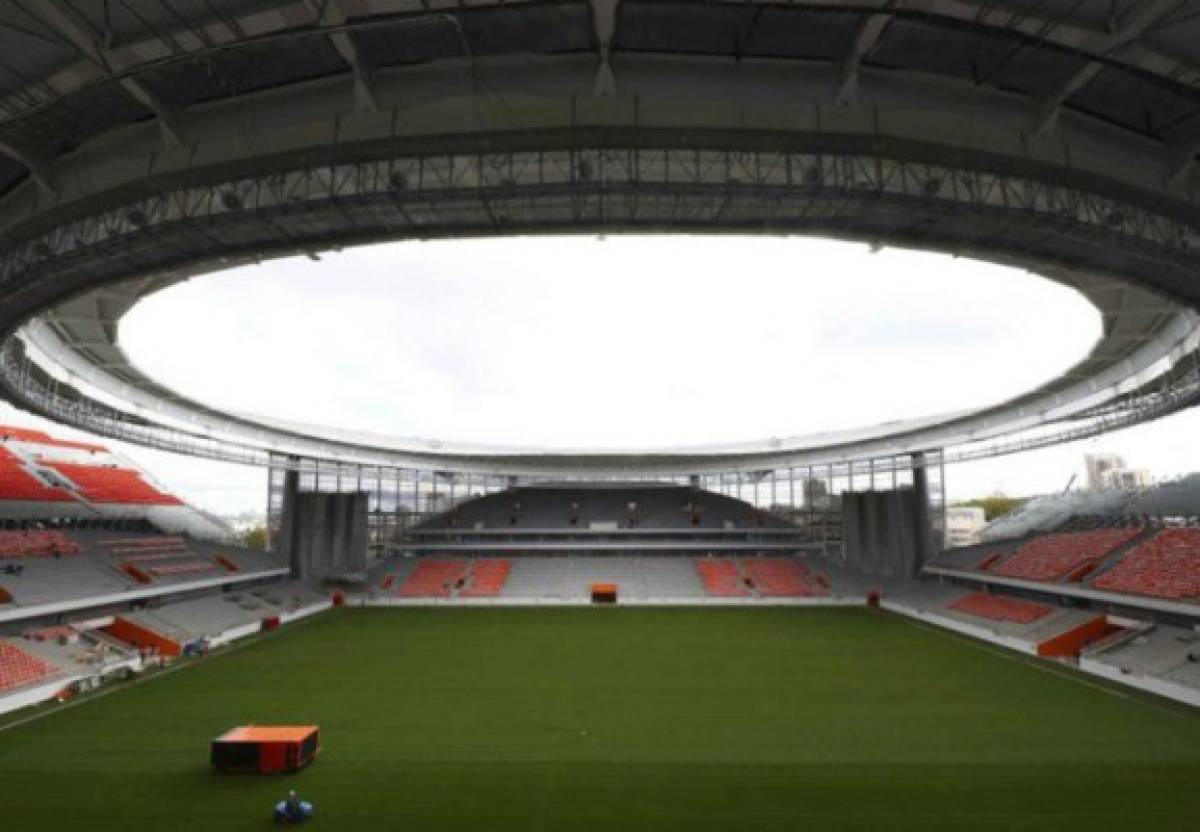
(1052,557)
(1165,566)
(433,579)
(18,668)
(487,578)
(999,608)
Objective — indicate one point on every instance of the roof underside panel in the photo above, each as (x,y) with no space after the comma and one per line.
(1133,101)
(40,52)
(246,70)
(523,29)
(1177,35)
(1096,14)
(64,124)
(136,20)
(977,55)
(10,173)
(742,30)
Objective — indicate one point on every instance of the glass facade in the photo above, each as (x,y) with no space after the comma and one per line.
(807,496)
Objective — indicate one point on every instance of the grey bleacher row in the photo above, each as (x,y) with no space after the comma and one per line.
(653,507)
(210,615)
(569,577)
(95,571)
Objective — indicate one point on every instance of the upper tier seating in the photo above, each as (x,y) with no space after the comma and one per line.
(1054,556)
(102,484)
(781,577)
(1165,566)
(999,608)
(721,577)
(18,668)
(37,437)
(36,544)
(488,577)
(16,483)
(633,506)
(433,579)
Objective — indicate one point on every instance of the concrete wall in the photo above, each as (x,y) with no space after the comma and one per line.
(886,532)
(326,534)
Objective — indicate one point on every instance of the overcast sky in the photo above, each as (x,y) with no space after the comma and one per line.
(618,342)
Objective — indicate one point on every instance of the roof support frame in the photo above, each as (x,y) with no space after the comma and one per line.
(332,13)
(846,79)
(604,24)
(39,168)
(1184,165)
(1135,23)
(292,204)
(67,23)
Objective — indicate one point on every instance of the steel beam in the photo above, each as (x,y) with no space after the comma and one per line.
(846,78)
(38,167)
(333,14)
(604,24)
(1184,164)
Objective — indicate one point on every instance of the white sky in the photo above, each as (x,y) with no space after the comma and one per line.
(626,341)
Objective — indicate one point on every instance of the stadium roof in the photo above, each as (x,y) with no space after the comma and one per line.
(144,141)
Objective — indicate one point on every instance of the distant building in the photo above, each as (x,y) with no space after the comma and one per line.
(816,493)
(1129,479)
(1098,465)
(964,526)
(1108,472)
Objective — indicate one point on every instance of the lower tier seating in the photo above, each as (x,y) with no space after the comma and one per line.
(487,578)
(721,577)
(433,579)
(781,577)
(1165,566)
(18,668)
(145,546)
(766,577)
(1052,557)
(36,544)
(191,567)
(999,608)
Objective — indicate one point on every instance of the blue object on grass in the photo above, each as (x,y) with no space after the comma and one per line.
(293,811)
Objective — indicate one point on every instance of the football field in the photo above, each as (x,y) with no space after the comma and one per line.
(616,719)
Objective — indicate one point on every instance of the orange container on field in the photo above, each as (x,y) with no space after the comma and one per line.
(266,749)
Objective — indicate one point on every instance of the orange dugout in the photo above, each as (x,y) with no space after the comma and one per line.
(604,593)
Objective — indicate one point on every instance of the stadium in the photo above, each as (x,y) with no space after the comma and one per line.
(758,634)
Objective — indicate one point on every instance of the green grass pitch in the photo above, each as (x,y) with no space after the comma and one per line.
(617,719)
